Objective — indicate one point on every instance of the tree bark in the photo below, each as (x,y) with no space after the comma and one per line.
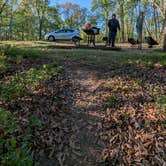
(155,23)
(164,23)
(122,20)
(40,28)
(11,24)
(106,21)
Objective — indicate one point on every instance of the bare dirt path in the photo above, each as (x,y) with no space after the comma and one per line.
(84,101)
(86,115)
(72,129)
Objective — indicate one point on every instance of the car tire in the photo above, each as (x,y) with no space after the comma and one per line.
(75,39)
(51,38)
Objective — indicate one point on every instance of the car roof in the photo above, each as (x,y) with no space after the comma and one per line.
(67,29)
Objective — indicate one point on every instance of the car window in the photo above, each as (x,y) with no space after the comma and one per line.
(70,30)
(60,31)
(65,31)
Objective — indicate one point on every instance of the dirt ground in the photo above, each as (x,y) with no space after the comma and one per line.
(84,106)
(96,112)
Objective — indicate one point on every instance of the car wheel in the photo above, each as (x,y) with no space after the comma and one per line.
(51,38)
(75,39)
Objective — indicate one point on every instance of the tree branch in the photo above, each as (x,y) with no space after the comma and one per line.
(3,6)
(158,7)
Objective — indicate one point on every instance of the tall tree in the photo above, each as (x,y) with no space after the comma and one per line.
(122,18)
(3,3)
(74,16)
(164,45)
(161,6)
(41,7)
(104,7)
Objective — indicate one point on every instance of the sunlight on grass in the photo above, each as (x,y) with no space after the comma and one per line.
(25,82)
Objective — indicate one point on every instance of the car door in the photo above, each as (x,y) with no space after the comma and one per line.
(69,34)
(60,35)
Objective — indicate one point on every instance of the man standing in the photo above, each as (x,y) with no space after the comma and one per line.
(113,25)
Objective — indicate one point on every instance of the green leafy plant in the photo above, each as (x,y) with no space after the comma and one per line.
(139,82)
(26,82)
(19,59)
(3,62)
(123,117)
(111,101)
(12,153)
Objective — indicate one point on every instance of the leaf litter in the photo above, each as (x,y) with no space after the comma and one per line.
(76,125)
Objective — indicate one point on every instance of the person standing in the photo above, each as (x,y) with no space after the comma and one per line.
(113,25)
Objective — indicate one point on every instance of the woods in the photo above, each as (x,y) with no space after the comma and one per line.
(82,83)
(32,19)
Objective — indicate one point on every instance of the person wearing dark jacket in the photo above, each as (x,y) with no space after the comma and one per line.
(113,25)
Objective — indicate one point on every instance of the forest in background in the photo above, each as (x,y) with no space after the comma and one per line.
(62,104)
(32,19)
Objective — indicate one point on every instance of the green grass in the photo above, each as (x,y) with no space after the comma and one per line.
(98,57)
(13,152)
(3,61)
(111,101)
(25,82)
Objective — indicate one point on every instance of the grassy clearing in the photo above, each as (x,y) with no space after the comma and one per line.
(106,57)
(25,82)
(149,58)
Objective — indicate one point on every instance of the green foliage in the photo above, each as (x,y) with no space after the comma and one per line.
(26,82)
(163,100)
(11,152)
(74,16)
(3,64)
(19,53)
(139,82)
(19,59)
(34,121)
(16,156)
(111,101)
(3,61)
(14,152)
(123,117)
(7,122)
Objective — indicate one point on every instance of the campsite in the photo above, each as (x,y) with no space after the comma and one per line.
(82,83)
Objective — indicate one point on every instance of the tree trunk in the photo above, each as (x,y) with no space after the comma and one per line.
(164,23)
(122,20)
(132,23)
(141,31)
(11,25)
(106,22)
(40,28)
(155,23)
(159,26)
